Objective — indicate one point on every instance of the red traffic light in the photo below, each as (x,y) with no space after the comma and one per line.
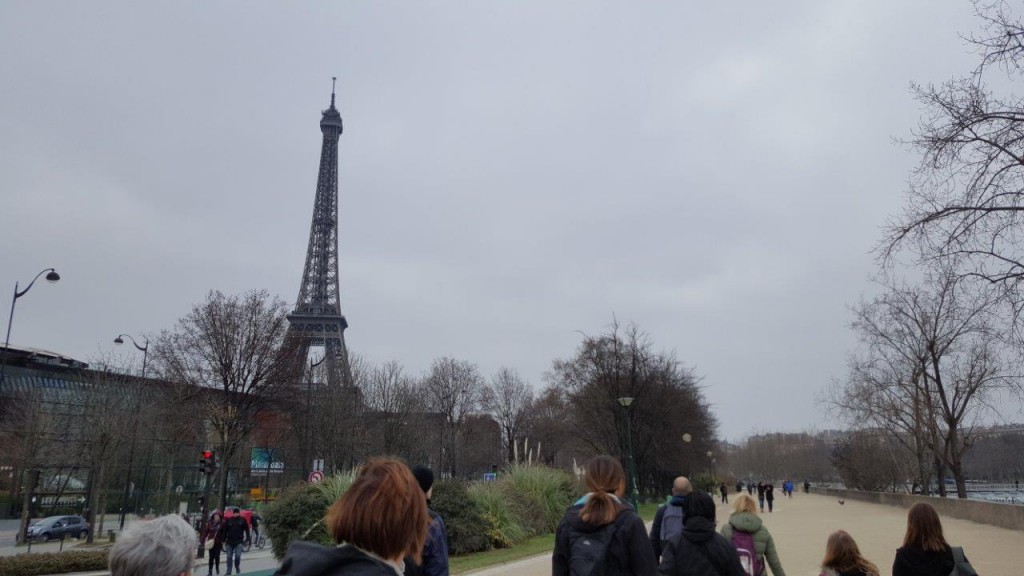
(207,454)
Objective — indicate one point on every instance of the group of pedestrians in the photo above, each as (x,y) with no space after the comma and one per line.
(229,535)
(602,534)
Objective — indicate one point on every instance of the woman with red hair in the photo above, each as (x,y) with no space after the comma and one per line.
(381,519)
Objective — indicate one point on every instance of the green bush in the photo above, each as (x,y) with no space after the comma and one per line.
(297,514)
(502,514)
(544,493)
(467,530)
(53,563)
(335,485)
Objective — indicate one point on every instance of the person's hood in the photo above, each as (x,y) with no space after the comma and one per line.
(576,522)
(921,561)
(698,529)
(677,500)
(745,522)
(309,559)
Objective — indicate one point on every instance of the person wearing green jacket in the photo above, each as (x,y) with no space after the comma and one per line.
(745,519)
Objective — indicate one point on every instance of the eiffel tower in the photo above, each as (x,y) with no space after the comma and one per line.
(317,320)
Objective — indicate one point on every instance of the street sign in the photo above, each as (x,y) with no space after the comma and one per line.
(256,493)
(315,476)
(318,465)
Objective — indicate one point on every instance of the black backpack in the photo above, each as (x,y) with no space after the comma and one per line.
(587,550)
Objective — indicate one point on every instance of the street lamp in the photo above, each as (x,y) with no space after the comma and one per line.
(144,349)
(711,462)
(51,277)
(633,493)
(135,428)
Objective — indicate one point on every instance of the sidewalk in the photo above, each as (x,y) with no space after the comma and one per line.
(800,527)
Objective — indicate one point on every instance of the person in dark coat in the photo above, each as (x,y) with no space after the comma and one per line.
(760,495)
(925,551)
(435,550)
(724,490)
(213,531)
(628,552)
(699,550)
(769,496)
(381,519)
(680,488)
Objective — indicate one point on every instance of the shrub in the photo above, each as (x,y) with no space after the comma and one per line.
(334,486)
(544,493)
(297,514)
(502,514)
(467,530)
(53,563)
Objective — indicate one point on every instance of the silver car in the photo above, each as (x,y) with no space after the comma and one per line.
(58,527)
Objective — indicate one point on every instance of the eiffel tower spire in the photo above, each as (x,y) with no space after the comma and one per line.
(317,319)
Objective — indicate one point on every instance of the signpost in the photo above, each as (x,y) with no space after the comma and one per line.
(315,477)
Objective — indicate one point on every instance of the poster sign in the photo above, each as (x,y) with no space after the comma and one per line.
(263,460)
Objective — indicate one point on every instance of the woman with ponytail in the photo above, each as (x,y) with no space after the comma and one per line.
(601,529)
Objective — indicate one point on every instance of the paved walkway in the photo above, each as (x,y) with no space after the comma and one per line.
(800,527)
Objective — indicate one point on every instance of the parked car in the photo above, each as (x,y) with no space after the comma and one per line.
(57,527)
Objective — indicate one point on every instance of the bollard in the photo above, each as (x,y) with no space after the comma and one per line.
(112,535)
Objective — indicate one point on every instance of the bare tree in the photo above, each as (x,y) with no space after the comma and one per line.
(453,388)
(667,406)
(931,365)
(230,354)
(391,395)
(965,202)
(509,399)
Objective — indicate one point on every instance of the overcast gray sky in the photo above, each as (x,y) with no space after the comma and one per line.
(510,174)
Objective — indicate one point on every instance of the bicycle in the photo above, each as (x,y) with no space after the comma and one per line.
(260,541)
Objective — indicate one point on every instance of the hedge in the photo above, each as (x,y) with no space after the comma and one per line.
(53,562)
(524,501)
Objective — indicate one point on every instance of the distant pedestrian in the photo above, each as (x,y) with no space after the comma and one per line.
(925,551)
(724,490)
(601,534)
(212,532)
(760,495)
(750,488)
(234,533)
(165,546)
(381,519)
(699,551)
(745,529)
(435,550)
(807,486)
(739,486)
(769,495)
(668,520)
(843,558)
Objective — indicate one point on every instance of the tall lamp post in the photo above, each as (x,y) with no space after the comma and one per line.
(51,277)
(711,464)
(633,493)
(144,349)
(135,428)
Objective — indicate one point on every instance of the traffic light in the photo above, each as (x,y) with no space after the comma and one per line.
(206,462)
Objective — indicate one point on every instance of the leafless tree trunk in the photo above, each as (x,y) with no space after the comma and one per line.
(454,389)
(509,398)
(229,352)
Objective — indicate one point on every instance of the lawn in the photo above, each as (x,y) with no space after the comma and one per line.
(536,545)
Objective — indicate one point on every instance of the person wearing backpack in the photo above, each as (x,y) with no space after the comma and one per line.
(925,551)
(752,540)
(601,534)
(698,550)
(668,520)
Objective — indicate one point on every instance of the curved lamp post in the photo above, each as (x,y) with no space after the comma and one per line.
(51,276)
(144,349)
(131,452)
(633,493)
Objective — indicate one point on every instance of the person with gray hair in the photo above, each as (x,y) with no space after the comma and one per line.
(165,546)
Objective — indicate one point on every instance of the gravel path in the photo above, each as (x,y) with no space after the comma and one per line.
(800,527)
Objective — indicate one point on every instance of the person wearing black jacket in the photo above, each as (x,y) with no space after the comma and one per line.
(234,531)
(628,551)
(699,550)
(925,551)
(680,488)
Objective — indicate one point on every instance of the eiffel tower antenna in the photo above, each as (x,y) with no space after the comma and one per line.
(317,319)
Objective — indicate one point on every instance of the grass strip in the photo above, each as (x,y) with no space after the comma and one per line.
(531,547)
